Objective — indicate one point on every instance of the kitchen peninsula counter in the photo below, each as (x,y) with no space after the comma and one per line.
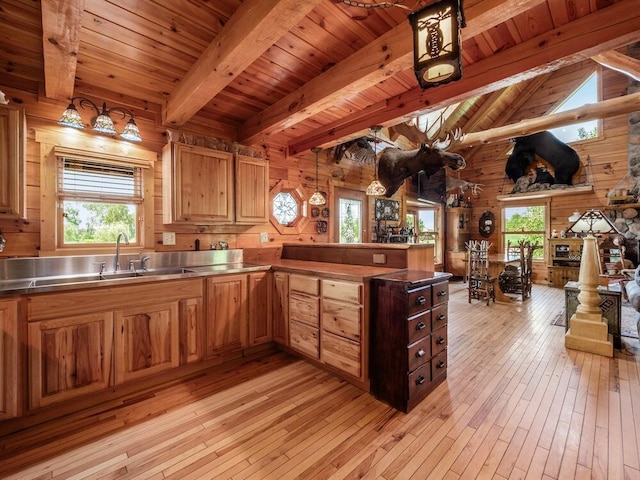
(357,273)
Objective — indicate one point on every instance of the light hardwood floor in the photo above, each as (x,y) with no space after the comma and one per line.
(516,405)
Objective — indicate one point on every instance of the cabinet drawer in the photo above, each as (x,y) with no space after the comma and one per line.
(439,317)
(440,293)
(304,338)
(304,284)
(420,380)
(345,291)
(439,365)
(419,326)
(419,353)
(438,340)
(419,300)
(342,319)
(304,309)
(341,353)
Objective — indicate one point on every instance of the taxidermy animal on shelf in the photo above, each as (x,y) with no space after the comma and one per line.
(564,160)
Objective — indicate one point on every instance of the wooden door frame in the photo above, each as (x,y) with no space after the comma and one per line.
(354,194)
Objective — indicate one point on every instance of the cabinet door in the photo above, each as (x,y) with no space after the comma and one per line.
(260,297)
(252,190)
(191,330)
(197,185)
(146,341)
(281,308)
(9,359)
(69,357)
(226,321)
(13,142)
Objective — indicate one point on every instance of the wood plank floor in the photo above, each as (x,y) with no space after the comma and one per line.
(516,405)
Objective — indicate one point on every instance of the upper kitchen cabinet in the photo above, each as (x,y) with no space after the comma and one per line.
(202,187)
(252,190)
(12,162)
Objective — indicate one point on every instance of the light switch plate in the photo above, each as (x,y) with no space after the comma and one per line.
(168,238)
(379,258)
(264,237)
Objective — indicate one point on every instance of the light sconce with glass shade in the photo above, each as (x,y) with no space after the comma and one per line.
(587,331)
(102,122)
(437,43)
(317,198)
(375,187)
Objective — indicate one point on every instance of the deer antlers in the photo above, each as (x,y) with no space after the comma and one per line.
(411,131)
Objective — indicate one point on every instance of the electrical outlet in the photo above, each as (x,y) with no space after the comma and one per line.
(264,237)
(379,258)
(168,238)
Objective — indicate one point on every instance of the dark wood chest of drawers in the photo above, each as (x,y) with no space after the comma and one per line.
(408,352)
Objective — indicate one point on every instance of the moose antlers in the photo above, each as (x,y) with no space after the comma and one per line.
(411,131)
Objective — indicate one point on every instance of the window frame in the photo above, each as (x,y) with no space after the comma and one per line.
(545,235)
(55,144)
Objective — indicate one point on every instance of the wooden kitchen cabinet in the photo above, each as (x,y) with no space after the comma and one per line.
(260,309)
(226,317)
(281,307)
(9,358)
(69,356)
(198,186)
(304,314)
(252,190)
(191,318)
(13,141)
(146,340)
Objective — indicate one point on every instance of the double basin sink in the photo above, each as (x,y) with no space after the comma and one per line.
(67,279)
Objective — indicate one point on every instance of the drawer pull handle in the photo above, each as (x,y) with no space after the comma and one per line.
(421,326)
(442,293)
(440,341)
(421,300)
(441,317)
(440,365)
(420,380)
(420,353)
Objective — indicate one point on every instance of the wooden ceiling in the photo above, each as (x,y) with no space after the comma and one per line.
(296,73)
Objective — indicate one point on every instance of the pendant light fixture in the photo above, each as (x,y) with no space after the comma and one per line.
(317,198)
(375,187)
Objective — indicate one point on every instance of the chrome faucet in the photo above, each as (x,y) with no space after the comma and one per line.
(121,235)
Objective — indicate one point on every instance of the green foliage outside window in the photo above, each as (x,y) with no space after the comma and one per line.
(93,222)
(525,223)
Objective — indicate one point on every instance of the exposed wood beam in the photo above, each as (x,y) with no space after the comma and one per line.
(61,23)
(255,27)
(620,63)
(609,28)
(604,109)
(381,59)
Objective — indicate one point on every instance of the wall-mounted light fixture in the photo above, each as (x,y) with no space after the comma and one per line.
(437,42)
(375,187)
(317,198)
(102,122)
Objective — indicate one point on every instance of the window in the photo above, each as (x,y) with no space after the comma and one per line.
(98,200)
(425,223)
(525,223)
(288,207)
(350,220)
(586,93)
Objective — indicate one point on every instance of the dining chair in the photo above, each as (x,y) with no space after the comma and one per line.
(481,284)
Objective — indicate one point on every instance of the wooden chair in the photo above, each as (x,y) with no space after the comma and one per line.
(481,285)
(517,278)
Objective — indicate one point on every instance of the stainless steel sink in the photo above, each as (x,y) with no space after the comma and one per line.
(164,271)
(48,281)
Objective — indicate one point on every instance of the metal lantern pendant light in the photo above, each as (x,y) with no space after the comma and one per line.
(437,42)
(375,187)
(317,198)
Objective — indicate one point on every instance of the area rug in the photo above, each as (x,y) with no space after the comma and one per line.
(628,321)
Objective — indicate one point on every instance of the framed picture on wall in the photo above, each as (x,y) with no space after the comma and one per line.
(387,209)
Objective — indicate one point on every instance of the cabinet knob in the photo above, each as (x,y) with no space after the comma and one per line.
(440,341)
(421,326)
(441,317)
(441,364)
(420,353)
(420,380)
(442,293)
(421,300)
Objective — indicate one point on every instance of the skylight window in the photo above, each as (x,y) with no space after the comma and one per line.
(586,93)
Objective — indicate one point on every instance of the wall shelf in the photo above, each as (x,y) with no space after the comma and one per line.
(621,206)
(555,192)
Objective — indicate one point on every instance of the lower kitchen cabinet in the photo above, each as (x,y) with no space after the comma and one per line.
(191,329)
(226,320)
(304,314)
(280,306)
(260,309)
(9,355)
(146,341)
(69,356)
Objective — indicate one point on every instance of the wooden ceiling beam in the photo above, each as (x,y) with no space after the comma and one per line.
(379,60)
(254,28)
(61,20)
(609,28)
(620,63)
